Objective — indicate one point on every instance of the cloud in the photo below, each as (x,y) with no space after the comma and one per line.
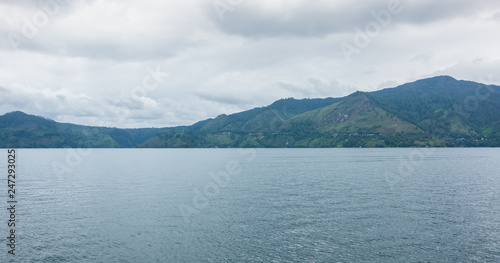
(423,57)
(315,88)
(47,102)
(292,18)
(84,64)
(496,17)
(223,98)
(103,29)
(431,11)
(481,70)
(319,18)
(388,84)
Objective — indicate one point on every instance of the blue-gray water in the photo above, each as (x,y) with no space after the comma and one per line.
(269,205)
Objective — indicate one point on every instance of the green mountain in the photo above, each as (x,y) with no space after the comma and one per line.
(20,130)
(355,114)
(439,111)
(264,119)
(446,107)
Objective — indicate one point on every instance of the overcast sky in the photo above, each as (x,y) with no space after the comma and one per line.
(125,63)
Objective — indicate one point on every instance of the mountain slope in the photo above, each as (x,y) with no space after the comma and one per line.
(356,114)
(439,111)
(18,129)
(265,119)
(443,105)
(353,121)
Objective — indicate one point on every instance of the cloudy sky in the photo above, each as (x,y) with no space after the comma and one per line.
(148,63)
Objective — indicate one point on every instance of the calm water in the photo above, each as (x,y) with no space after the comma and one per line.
(270,205)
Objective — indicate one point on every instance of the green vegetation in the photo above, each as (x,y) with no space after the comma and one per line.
(435,112)
(21,130)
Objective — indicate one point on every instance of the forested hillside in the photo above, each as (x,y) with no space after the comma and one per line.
(436,112)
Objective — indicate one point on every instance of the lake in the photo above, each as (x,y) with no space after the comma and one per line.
(255,205)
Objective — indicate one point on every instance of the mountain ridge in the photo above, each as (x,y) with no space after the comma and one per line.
(439,111)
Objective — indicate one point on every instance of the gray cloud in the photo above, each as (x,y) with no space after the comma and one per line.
(428,11)
(314,88)
(320,18)
(223,98)
(296,18)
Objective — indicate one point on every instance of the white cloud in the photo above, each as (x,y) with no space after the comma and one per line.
(48,102)
(84,64)
(480,69)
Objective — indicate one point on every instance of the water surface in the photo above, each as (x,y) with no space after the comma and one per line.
(265,205)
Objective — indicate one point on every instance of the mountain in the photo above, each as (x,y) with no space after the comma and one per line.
(20,130)
(353,121)
(355,113)
(446,107)
(265,118)
(439,111)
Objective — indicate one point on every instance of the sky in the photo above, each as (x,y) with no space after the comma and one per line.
(131,64)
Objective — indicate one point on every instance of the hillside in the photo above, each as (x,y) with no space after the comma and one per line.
(439,111)
(265,119)
(20,130)
(355,114)
(446,107)
(428,112)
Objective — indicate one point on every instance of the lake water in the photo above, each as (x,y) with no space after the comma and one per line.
(255,205)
